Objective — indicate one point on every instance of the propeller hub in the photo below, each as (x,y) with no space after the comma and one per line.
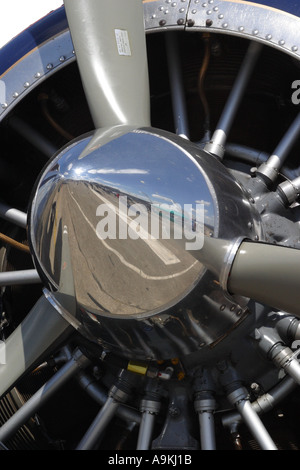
(117,221)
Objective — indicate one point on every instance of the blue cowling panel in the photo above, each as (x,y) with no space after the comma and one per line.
(289,6)
(36,34)
(56,21)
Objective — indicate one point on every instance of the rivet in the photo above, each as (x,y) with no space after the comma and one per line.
(216,8)
(38,75)
(210,1)
(204,5)
(62,58)
(241,28)
(4,105)
(209,12)
(26,84)
(162,22)
(190,22)
(221,16)
(269,37)
(255,32)
(49,66)
(180,21)
(281,42)
(181,10)
(194,11)
(222,307)
(161,8)
(294,48)
(15,94)
(166,12)
(174,4)
(153,16)
(225,25)
(209,22)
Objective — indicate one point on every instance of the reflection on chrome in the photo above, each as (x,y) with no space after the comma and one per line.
(92,234)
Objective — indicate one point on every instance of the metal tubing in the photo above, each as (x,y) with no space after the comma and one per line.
(32,136)
(15,216)
(177,88)
(255,425)
(271,168)
(93,434)
(290,189)
(13,278)
(264,403)
(100,396)
(246,154)
(292,368)
(207,430)
(42,395)
(146,430)
(217,143)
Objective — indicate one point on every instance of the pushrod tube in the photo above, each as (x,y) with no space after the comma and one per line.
(264,403)
(207,430)
(220,135)
(255,425)
(13,215)
(39,141)
(146,429)
(271,168)
(177,88)
(103,418)
(239,398)
(12,278)
(93,389)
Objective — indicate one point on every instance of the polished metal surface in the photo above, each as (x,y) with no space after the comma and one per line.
(272,27)
(93,235)
(30,71)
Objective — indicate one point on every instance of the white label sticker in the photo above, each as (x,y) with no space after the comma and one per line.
(122,39)
(2,92)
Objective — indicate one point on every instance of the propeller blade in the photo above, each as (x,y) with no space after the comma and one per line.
(269,274)
(110,45)
(36,335)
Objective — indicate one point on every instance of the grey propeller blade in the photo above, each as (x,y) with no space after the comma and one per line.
(267,273)
(110,45)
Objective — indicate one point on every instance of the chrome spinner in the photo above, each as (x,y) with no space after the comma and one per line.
(95,243)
